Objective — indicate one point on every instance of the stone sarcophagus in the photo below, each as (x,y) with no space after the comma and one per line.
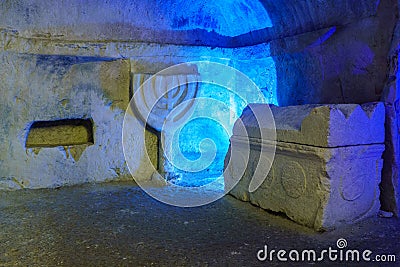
(327,165)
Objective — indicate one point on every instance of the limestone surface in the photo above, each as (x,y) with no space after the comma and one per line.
(52,89)
(331,53)
(63,133)
(390,197)
(178,21)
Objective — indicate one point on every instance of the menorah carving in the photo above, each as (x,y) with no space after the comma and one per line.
(159,94)
(164,99)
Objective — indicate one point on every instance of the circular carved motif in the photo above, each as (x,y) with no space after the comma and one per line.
(352,188)
(293,179)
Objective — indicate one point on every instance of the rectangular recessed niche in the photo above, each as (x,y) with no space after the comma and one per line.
(60,133)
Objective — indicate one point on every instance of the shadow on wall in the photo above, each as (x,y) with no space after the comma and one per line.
(334,61)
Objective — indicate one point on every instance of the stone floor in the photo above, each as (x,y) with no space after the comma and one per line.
(119,225)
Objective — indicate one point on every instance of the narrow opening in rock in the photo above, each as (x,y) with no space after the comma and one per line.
(60,133)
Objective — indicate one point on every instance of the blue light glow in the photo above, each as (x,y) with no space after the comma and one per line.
(226,17)
(324,37)
(207,135)
(197,137)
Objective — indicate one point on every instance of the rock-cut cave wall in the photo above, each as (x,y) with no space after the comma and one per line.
(322,51)
(296,51)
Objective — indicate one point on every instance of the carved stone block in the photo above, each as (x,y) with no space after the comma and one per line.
(327,166)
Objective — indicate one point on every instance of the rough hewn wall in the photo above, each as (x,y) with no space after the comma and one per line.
(296,51)
(323,51)
(37,88)
(390,193)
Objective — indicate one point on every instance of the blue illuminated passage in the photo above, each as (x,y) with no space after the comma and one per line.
(199,136)
(205,136)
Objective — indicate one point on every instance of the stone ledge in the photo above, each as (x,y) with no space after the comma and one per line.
(320,125)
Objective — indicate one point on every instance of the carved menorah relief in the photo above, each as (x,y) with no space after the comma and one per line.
(164,97)
(161,93)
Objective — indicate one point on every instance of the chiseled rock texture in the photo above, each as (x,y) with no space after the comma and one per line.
(297,52)
(390,187)
(314,51)
(327,166)
(47,88)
